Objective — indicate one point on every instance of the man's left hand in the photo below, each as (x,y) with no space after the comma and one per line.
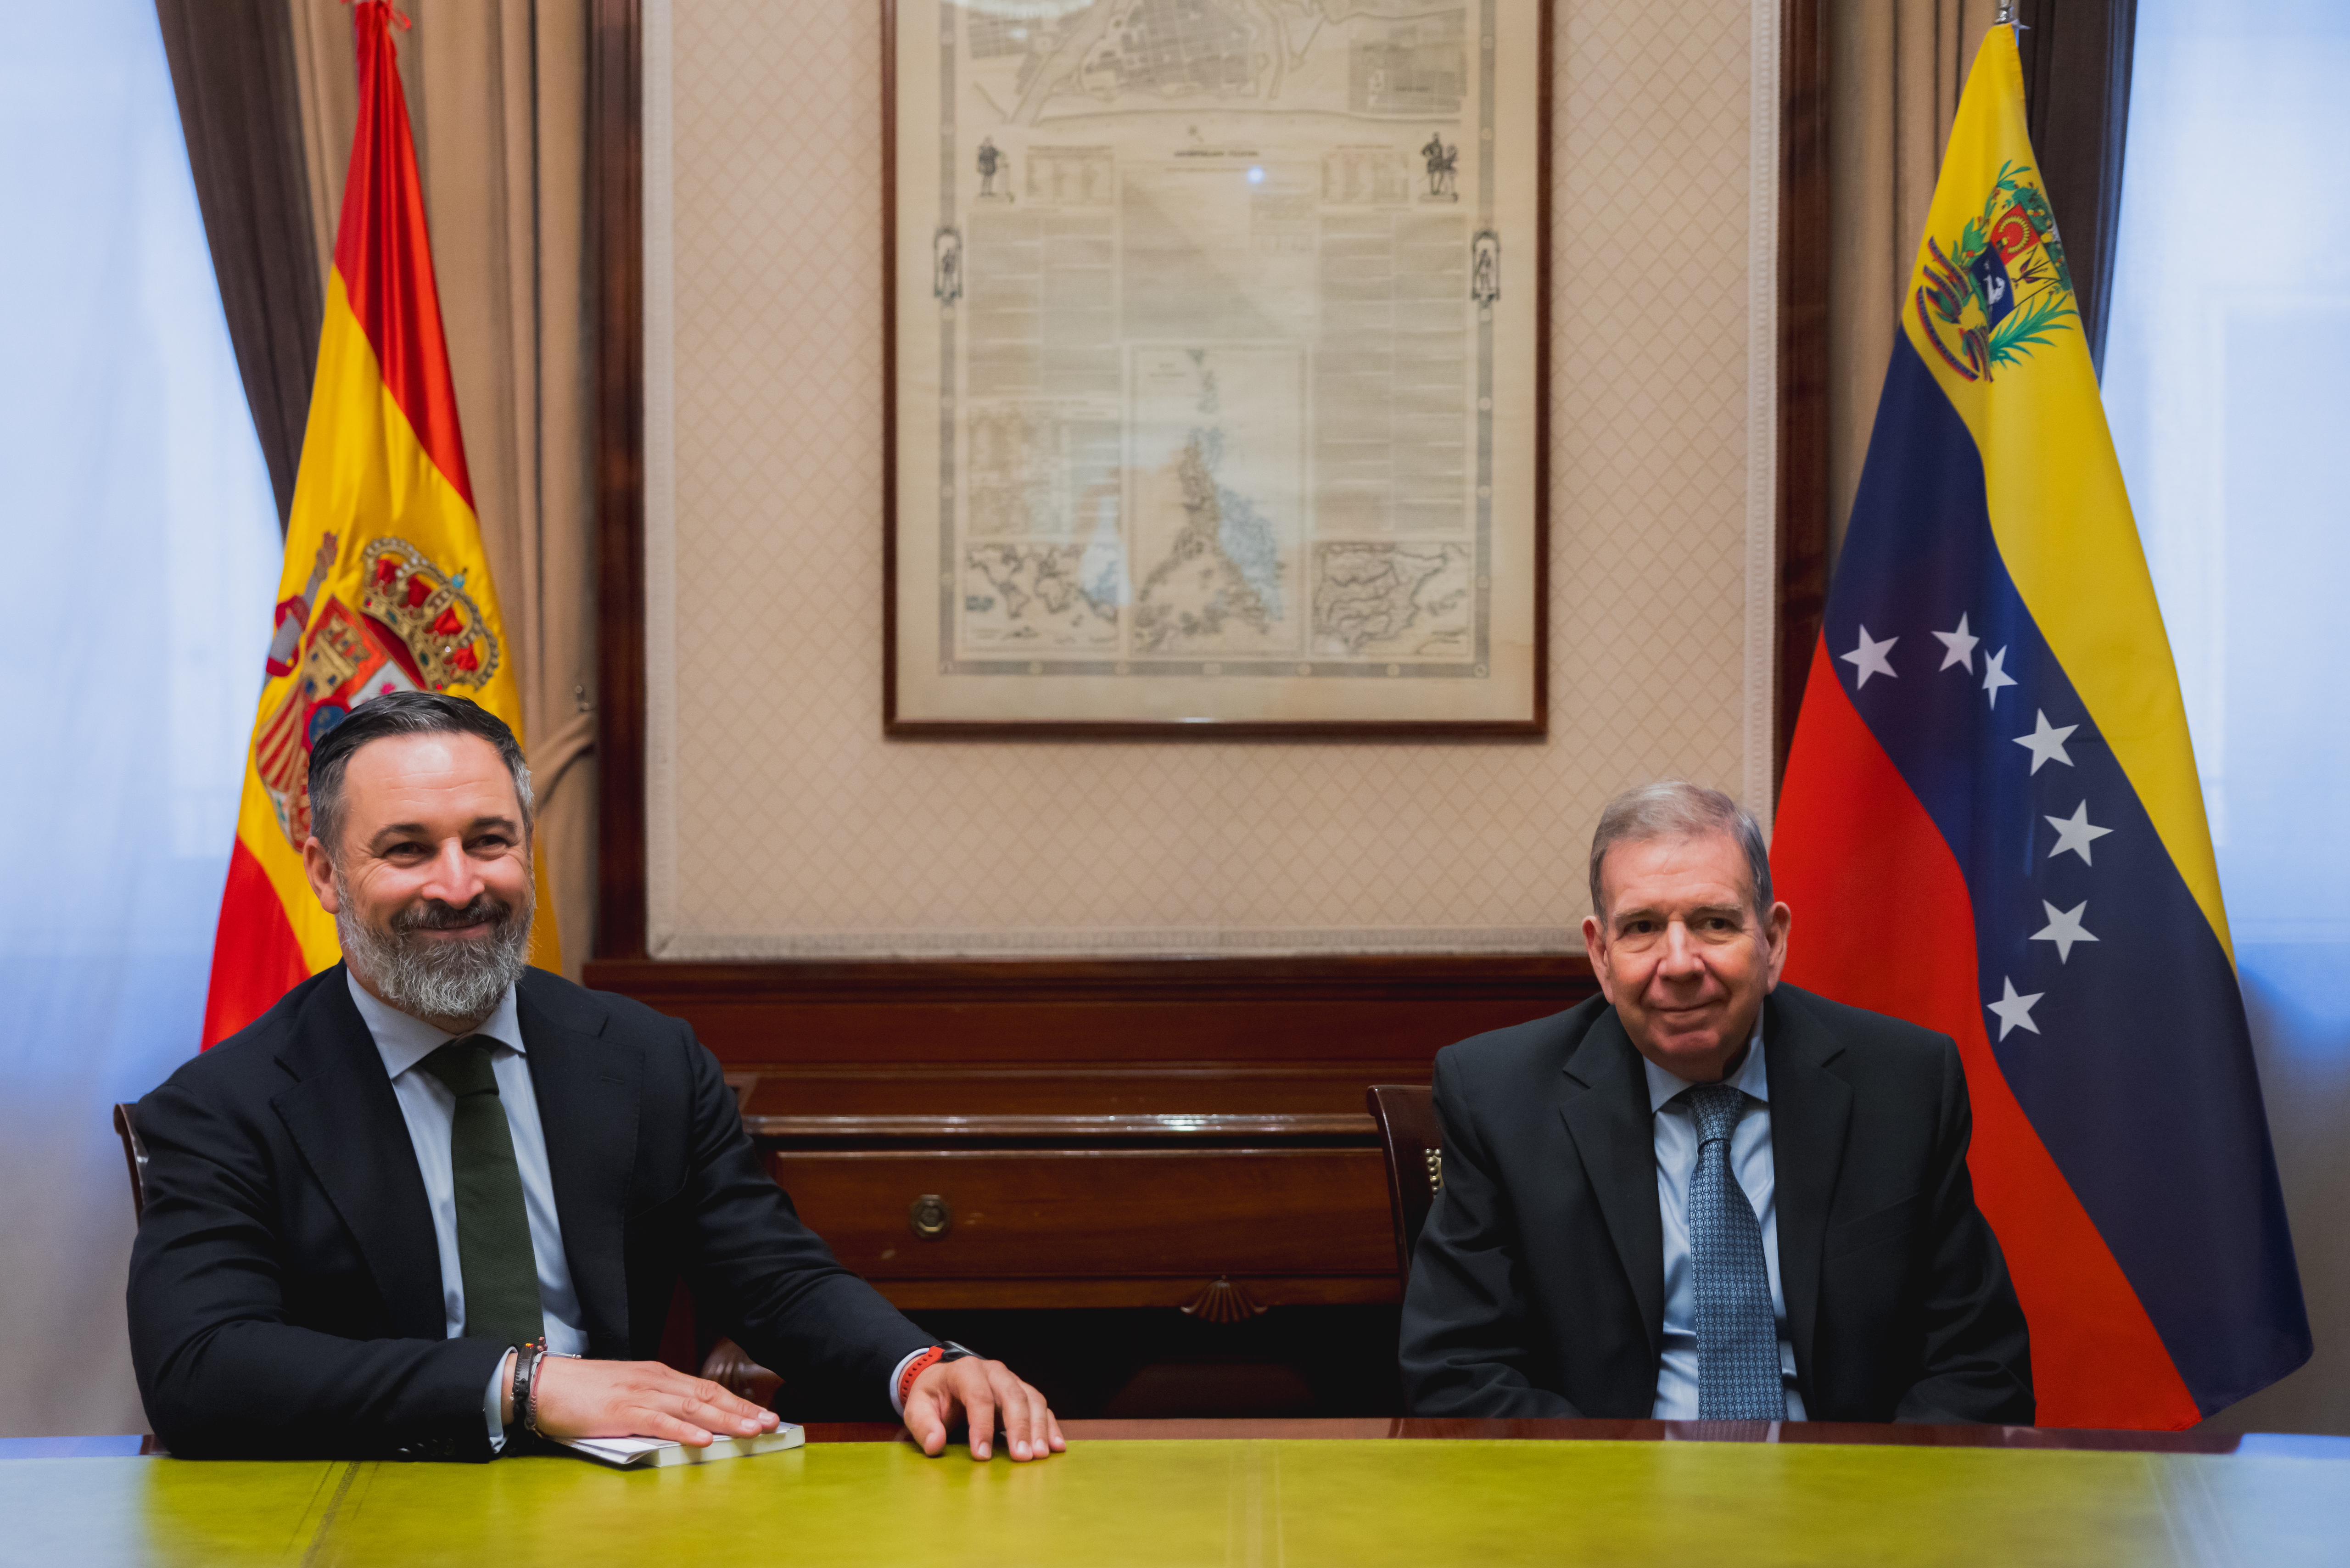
(985,1395)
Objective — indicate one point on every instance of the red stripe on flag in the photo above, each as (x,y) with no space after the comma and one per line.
(385,257)
(255,958)
(1883,921)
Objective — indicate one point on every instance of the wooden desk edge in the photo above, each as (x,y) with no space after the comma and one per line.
(1380,1428)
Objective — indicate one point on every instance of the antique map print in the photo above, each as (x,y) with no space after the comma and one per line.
(1215,370)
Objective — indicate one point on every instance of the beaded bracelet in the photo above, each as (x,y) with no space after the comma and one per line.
(530,1408)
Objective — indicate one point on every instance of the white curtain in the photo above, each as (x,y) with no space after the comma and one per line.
(141,554)
(2227,382)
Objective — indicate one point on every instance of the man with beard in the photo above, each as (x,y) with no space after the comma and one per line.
(435,1197)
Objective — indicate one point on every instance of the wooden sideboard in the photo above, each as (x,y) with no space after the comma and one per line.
(1078,1137)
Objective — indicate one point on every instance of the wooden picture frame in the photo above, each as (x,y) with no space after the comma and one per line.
(1288,483)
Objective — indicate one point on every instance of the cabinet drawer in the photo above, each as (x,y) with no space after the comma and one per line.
(1075,1214)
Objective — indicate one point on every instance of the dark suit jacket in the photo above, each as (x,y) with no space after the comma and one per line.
(1538,1285)
(285,1285)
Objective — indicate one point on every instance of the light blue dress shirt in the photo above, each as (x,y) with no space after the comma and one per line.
(1751,1162)
(430,1110)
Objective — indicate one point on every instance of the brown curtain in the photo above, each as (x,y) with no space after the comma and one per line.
(497,91)
(232,72)
(1895,69)
(2076,81)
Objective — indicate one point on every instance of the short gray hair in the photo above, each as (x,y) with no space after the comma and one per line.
(403,713)
(1675,808)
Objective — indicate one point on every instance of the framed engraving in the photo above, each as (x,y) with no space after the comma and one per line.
(1217,394)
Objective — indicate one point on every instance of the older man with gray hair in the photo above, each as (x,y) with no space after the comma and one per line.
(1704,1194)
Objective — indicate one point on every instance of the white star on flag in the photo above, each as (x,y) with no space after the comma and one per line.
(2046,741)
(2077,833)
(1869,658)
(1962,648)
(1994,676)
(2063,929)
(2014,1012)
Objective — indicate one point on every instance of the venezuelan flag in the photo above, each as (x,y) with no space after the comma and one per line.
(1992,825)
(385,587)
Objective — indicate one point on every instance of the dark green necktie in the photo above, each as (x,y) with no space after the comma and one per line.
(494,1251)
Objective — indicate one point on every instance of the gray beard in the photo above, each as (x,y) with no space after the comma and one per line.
(435,978)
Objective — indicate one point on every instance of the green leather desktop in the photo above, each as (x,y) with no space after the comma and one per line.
(1285,1500)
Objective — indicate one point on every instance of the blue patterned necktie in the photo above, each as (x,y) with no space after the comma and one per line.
(1737,1333)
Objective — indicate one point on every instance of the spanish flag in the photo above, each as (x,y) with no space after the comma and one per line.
(1992,825)
(385,587)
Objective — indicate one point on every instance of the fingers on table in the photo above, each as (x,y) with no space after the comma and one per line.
(926,1418)
(704,1410)
(658,1420)
(730,1406)
(989,1399)
(1024,1412)
(1028,1425)
(979,1407)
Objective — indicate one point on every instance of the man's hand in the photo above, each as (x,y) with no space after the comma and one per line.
(984,1394)
(639,1399)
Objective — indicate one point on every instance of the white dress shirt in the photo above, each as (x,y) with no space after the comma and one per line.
(1751,1162)
(431,1111)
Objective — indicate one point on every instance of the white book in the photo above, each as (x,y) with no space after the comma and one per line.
(652,1453)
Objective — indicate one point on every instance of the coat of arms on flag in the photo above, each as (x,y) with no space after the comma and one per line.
(2003,285)
(415,628)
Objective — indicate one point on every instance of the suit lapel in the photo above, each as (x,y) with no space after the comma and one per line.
(344,1117)
(1605,1105)
(587,1090)
(1811,1111)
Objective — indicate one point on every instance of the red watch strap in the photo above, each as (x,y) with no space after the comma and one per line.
(915,1368)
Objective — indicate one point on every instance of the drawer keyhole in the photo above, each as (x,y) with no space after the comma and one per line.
(929,1217)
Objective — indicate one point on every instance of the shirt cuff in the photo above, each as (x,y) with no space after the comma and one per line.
(896,1377)
(491,1399)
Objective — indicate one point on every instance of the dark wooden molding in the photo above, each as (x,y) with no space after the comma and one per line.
(1802,361)
(1205,1129)
(616,222)
(1349,977)
(944,1042)
(2076,82)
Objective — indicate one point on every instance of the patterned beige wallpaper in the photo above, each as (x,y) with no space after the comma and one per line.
(784,824)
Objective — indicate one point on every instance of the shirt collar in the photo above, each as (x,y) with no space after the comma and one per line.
(403,1041)
(1752,1077)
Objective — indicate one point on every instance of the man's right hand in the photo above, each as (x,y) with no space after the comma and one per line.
(639,1399)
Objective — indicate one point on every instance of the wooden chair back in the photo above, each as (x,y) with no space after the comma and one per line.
(134,1155)
(1413,1141)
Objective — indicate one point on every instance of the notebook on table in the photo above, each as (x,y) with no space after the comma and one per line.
(652,1453)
